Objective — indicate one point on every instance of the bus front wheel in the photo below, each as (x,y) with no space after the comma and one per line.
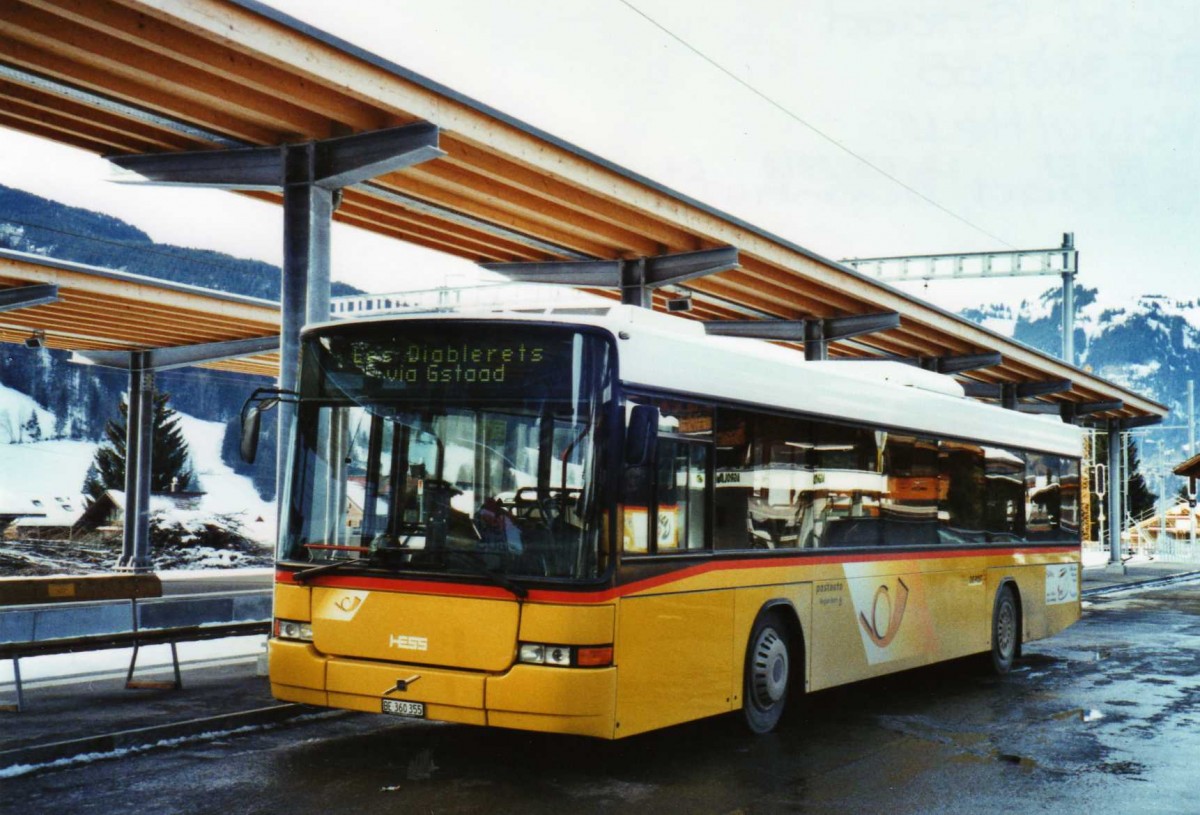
(1006,630)
(768,673)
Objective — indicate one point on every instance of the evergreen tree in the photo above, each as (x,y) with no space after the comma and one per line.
(168,460)
(32,429)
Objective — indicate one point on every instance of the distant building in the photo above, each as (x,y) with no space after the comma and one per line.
(1190,470)
(106,515)
(67,517)
(13,507)
(51,517)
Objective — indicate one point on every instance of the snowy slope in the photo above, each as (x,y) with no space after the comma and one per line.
(58,467)
(15,410)
(226,492)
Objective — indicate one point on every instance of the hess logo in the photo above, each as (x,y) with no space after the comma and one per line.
(408,643)
(886,615)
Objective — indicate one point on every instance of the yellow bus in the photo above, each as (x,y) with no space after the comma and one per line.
(605,521)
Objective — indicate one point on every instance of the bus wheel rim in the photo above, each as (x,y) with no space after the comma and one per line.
(769,669)
(1006,628)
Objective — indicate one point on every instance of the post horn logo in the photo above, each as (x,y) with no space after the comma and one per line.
(892,614)
(348,603)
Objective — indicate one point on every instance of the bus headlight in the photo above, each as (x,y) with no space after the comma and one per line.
(565,656)
(293,630)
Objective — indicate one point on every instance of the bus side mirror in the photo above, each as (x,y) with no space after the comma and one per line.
(251,424)
(262,399)
(641,436)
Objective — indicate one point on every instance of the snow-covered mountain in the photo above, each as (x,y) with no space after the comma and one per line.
(1150,345)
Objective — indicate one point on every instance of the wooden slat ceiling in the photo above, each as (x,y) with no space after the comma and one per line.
(99,309)
(136,76)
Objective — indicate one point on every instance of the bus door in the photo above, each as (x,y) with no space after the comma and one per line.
(673,639)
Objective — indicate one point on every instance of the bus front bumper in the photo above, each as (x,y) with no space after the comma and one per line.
(579,701)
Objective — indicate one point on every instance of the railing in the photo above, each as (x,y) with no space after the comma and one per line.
(34,630)
(501,294)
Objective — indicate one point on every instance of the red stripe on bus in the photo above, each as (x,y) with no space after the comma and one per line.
(604,595)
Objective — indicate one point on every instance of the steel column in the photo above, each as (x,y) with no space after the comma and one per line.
(634,288)
(815,346)
(1191,417)
(312,176)
(1068,298)
(305,280)
(139,447)
(1115,489)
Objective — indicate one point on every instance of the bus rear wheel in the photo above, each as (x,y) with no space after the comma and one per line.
(1006,630)
(768,673)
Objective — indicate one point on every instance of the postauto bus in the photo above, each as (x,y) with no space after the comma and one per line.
(606,521)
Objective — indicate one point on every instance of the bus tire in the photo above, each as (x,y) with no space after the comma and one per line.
(1006,630)
(768,674)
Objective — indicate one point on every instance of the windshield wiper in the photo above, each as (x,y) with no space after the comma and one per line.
(313,571)
(479,565)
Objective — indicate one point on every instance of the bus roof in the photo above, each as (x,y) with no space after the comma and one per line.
(662,352)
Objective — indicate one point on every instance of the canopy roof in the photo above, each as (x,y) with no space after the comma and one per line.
(1189,468)
(100,309)
(143,76)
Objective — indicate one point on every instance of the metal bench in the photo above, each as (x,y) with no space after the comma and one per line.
(63,628)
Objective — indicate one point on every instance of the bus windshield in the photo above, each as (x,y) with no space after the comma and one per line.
(451,447)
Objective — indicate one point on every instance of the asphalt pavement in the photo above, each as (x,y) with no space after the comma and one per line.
(1139,572)
(95,715)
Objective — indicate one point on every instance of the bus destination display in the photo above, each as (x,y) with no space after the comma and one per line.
(459,362)
(472,362)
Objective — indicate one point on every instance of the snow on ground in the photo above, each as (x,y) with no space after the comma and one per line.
(15,410)
(45,469)
(226,492)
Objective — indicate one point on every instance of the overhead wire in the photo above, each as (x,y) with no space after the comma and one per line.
(813,128)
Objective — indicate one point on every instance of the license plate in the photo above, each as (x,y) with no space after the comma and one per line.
(397,707)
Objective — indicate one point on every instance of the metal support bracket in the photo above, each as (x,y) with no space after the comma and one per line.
(311,175)
(1010,393)
(962,363)
(162,359)
(1074,411)
(635,278)
(816,333)
(336,163)
(39,294)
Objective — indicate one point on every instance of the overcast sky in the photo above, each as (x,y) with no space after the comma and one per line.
(1018,120)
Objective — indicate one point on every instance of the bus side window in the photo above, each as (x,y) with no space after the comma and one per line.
(681,492)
